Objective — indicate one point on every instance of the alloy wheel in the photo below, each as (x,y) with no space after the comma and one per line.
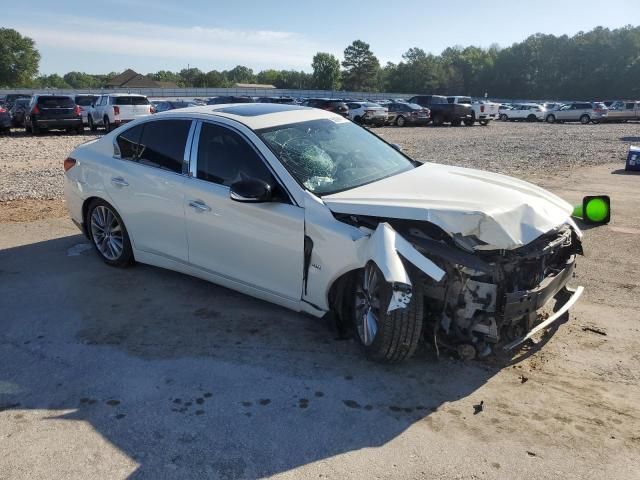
(106,232)
(367,305)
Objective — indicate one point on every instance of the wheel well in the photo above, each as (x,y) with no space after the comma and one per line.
(339,295)
(85,207)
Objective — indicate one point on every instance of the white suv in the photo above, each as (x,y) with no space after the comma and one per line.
(531,112)
(114,109)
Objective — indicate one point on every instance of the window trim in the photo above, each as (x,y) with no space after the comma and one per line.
(193,158)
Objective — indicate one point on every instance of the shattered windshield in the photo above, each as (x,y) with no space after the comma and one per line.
(328,156)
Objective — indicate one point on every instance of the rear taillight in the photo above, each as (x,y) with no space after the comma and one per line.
(69,163)
(116,110)
(36,110)
(77,111)
(152,109)
(3,110)
(481,108)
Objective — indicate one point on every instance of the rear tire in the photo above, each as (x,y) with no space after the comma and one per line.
(457,122)
(92,126)
(469,123)
(108,234)
(35,129)
(107,125)
(400,121)
(504,117)
(550,119)
(484,123)
(531,118)
(438,120)
(584,119)
(388,337)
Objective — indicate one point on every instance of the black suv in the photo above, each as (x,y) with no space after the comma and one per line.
(335,106)
(444,112)
(53,112)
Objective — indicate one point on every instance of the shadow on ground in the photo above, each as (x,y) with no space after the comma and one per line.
(193,380)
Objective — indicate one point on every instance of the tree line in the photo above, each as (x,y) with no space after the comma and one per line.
(601,63)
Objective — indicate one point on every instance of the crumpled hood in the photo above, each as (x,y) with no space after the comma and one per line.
(502,211)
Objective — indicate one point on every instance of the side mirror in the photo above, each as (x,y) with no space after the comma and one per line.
(251,190)
(396,146)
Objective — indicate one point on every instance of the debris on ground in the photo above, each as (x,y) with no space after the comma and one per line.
(594,330)
(478,408)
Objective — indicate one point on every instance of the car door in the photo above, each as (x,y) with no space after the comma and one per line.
(259,245)
(565,112)
(147,185)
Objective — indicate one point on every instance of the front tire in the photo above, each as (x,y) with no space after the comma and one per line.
(108,234)
(438,120)
(484,123)
(92,126)
(107,124)
(504,117)
(388,337)
(584,119)
(400,121)
(551,119)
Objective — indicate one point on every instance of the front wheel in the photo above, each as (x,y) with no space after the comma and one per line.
(108,234)
(457,122)
(92,126)
(400,121)
(438,120)
(584,119)
(532,118)
(484,123)
(107,124)
(388,337)
(469,122)
(504,117)
(551,119)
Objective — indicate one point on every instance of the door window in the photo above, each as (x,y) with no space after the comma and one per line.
(224,157)
(128,143)
(162,144)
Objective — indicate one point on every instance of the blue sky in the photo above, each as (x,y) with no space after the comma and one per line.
(152,35)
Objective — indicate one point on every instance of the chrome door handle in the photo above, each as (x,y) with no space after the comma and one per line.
(121,182)
(200,205)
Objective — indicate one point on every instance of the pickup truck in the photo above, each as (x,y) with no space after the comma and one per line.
(622,111)
(444,112)
(483,111)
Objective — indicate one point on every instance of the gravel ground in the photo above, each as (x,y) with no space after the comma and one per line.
(31,167)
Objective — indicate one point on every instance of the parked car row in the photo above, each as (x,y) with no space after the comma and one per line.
(583,112)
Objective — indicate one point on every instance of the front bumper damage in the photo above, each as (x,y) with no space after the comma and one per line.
(482,299)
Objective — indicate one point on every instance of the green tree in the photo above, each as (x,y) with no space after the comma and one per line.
(268,77)
(167,76)
(241,74)
(216,79)
(192,77)
(50,81)
(19,59)
(81,80)
(361,67)
(326,71)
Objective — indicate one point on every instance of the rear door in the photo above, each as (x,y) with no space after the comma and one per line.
(147,185)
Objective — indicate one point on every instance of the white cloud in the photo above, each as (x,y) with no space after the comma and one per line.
(211,45)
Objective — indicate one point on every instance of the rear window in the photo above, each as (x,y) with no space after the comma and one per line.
(131,101)
(84,100)
(56,102)
(438,99)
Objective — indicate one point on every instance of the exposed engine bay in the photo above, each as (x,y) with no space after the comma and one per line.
(487,297)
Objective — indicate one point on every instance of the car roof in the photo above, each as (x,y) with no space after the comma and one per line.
(124,94)
(256,115)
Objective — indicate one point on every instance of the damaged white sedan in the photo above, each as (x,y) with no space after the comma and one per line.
(305,209)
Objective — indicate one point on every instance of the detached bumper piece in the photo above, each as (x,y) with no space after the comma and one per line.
(553,318)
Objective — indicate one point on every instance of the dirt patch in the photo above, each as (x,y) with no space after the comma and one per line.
(29,210)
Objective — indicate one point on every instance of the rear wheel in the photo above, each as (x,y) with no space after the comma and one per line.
(484,123)
(35,129)
(551,119)
(92,126)
(457,122)
(438,120)
(108,234)
(469,122)
(531,118)
(388,337)
(584,119)
(400,121)
(504,117)
(358,120)
(107,125)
